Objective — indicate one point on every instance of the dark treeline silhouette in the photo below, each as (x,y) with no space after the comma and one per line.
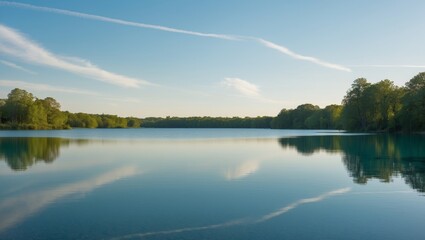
(21,153)
(380,106)
(367,157)
(207,122)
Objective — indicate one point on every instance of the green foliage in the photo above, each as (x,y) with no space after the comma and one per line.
(82,120)
(16,107)
(308,116)
(207,122)
(380,106)
(412,115)
(21,110)
(331,117)
(37,114)
(134,122)
(354,102)
(372,107)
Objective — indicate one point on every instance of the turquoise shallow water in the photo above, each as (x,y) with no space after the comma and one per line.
(210,184)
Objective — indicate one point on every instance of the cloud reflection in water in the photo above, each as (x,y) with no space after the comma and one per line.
(16,209)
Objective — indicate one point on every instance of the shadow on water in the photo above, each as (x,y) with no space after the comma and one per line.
(22,153)
(371,156)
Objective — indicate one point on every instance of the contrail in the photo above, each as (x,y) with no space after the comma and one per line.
(114,20)
(230,37)
(292,54)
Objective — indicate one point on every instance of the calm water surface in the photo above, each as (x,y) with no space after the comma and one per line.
(210,184)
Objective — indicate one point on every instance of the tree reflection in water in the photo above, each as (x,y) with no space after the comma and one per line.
(367,157)
(21,153)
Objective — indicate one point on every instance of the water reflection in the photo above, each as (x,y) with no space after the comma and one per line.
(241,221)
(22,153)
(242,170)
(296,204)
(371,156)
(18,208)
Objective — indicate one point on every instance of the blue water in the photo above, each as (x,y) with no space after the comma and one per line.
(167,134)
(210,184)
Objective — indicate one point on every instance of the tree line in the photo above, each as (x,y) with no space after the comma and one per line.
(21,110)
(380,106)
(207,122)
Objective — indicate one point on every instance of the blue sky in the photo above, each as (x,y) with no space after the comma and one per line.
(205,58)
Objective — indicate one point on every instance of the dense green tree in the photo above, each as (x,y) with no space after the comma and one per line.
(354,115)
(305,116)
(16,108)
(412,115)
(331,117)
(308,116)
(2,103)
(384,102)
(22,110)
(55,117)
(82,120)
(282,120)
(314,120)
(37,115)
(301,114)
(134,122)
(372,107)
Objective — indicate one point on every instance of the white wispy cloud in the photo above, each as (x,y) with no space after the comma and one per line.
(292,54)
(44,87)
(242,86)
(15,66)
(16,45)
(123,100)
(116,21)
(246,89)
(231,37)
(388,66)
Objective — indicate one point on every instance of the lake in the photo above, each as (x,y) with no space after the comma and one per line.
(210,184)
